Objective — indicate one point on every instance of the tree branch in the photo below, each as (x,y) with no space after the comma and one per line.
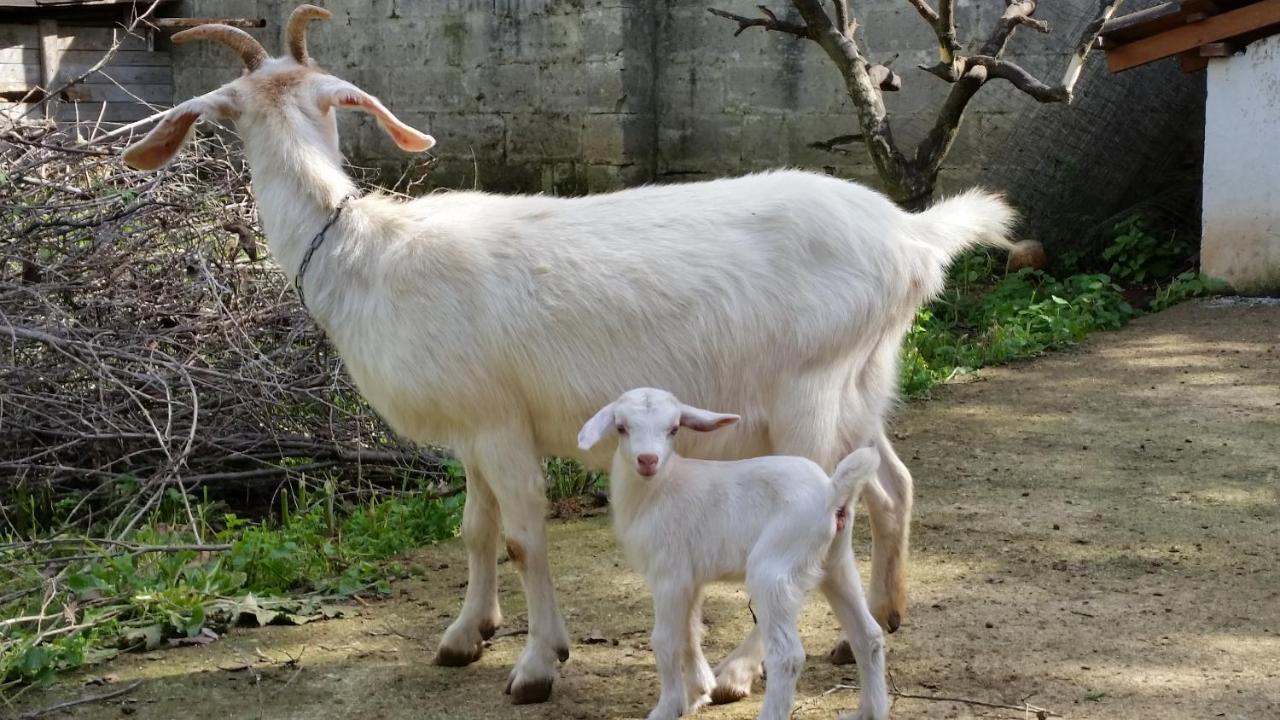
(948,47)
(842,17)
(883,78)
(929,14)
(976,70)
(768,22)
(1019,77)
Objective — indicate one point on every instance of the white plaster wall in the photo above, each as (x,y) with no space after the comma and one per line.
(1241,242)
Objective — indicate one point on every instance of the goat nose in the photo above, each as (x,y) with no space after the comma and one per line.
(647,461)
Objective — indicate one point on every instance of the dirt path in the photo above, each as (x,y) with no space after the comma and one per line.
(1097,532)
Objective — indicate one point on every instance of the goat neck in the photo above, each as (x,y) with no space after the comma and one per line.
(298,183)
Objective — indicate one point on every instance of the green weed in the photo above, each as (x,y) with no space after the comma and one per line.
(1188,285)
(1137,255)
(1021,315)
(72,600)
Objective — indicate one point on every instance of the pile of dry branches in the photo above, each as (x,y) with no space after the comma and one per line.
(145,340)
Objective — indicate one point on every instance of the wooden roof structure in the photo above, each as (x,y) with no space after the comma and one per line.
(1194,30)
(51,47)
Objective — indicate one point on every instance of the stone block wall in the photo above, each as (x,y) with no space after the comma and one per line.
(574,96)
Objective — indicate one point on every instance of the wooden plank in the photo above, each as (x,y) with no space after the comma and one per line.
(1220,50)
(50,58)
(85,58)
(29,75)
(114,113)
(1261,15)
(97,92)
(1192,62)
(14,76)
(19,35)
(20,56)
(70,37)
(193,22)
(1142,23)
(98,38)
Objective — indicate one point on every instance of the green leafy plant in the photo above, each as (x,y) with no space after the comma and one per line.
(1188,285)
(1137,255)
(1020,315)
(73,599)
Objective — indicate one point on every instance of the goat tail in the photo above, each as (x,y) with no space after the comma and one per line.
(974,217)
(855,474)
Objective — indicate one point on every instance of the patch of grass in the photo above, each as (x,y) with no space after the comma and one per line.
(981,321)
(69,599)
(1186,286)
(568,479)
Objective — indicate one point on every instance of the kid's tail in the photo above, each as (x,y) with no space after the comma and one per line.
(854,474)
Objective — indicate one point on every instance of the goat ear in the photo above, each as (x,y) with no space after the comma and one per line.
(595,429)
(345,95)
(174,129)
(705,420)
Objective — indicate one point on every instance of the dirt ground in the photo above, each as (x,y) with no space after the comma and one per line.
(1096,533)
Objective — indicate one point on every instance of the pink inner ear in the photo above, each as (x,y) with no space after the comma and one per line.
(160,145)
(406,137)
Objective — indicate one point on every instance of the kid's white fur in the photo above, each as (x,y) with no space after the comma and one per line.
(771,521)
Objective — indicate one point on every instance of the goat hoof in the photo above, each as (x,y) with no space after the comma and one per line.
(563,653)
(895,621)
(726,695)
(453,657)
(842,654)
(528,692)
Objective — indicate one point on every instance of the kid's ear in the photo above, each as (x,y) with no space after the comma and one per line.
(345,95)
(705,420)
(595,429)
(174,130)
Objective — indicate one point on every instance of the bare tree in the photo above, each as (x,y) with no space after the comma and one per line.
(910,177)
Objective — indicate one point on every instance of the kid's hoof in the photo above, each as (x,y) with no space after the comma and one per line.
(453,657)
(529,692)
(842,654)
(726,695)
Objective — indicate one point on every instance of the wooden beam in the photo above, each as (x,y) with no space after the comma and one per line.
(1220,50)
(193,22)
(1142,23)
(1258,16)
(49,58)
(1193,62)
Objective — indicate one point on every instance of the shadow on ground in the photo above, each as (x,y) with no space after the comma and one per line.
(1096,533)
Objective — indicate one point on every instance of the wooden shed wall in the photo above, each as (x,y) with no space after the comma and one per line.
(137,81)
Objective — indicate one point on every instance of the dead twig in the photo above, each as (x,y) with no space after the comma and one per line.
(81,701)
(1024,707)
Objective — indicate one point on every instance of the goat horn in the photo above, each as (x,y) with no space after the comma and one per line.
(297,33)
(243,43)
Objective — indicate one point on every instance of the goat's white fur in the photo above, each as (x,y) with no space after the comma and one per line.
(772,521)
(494,324)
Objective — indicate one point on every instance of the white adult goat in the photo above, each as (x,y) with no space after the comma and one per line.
(493,324)
(778,522)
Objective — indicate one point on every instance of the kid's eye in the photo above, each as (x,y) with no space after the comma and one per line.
(622,430)
(674,430)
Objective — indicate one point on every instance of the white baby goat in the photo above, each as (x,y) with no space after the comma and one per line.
(778,522)
(493,324)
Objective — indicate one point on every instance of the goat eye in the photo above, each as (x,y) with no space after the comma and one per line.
(622,430)
(674,430)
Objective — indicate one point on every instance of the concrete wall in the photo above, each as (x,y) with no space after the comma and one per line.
(571,96)
(1241,239)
